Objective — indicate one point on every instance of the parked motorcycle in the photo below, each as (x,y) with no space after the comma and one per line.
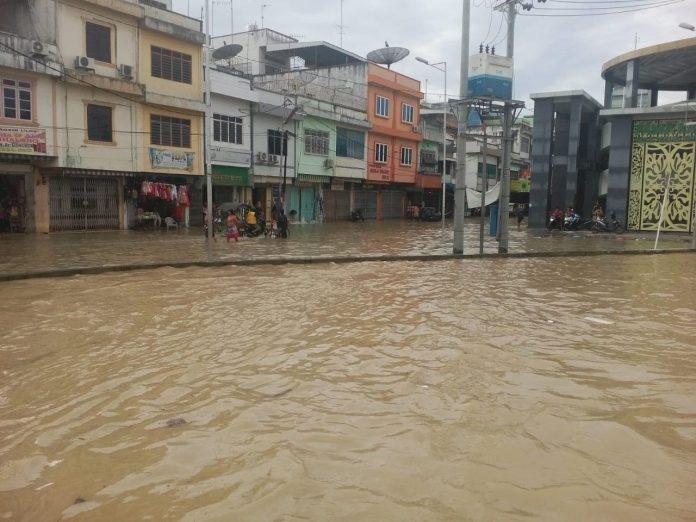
(610,224)
(357,215)
(555,223)
(572,222)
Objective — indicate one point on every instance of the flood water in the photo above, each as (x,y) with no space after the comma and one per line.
(512,389)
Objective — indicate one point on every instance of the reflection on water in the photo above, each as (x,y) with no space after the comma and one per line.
(486,390)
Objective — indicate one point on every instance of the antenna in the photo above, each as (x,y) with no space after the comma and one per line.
(387,55)
(341,27)
(263,6)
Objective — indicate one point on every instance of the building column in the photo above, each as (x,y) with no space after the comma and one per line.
(559,168)
(608,92)
(653,97)
(619,167)
(691,94)
(631,90)
(42,210)
(542,136)
(574,129)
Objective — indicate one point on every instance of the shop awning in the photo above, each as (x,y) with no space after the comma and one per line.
(311,178)
(231,176)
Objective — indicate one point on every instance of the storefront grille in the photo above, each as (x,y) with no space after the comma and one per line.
(83,203)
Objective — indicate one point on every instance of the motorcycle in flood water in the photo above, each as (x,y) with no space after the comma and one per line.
(610,224)
(357,215)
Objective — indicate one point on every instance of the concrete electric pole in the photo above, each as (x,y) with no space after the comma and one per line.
(460,189)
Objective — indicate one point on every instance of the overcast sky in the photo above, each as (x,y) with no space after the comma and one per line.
(552,53)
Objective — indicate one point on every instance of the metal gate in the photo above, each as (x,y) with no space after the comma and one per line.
(336,205)
(83,203)
(392,204)
(366,200)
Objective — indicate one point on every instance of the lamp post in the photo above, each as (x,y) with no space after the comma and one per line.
(208,134)
(444,133)
(686,26)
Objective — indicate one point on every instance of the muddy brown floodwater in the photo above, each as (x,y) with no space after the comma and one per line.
(518,389)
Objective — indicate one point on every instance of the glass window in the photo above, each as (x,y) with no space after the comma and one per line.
(276,143)
(172,132)
(350,143)
(170,65)
(227,129)
(16,100)
(316,142)
(406,156)
(381,153)
(382,106)
(406,113)
(98,41)
(99,123)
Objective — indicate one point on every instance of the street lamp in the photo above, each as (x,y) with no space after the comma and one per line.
(444,132)
(686,26)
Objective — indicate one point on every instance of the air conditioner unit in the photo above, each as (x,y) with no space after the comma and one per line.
(415,128)
(38,49)
(273,158)
(126,71)
(84,63)
(261,157)
(328,163)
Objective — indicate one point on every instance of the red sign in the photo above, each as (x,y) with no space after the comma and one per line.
(21,140)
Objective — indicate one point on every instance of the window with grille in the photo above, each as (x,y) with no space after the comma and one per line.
(350,143)
(276,143)
(316,142)
(227,129)
(381,152)
(170,65)
(428,157)
(98,41)
(382,106)
(171,132)
(99,123)
(406,113)
(16,99)
(406,156)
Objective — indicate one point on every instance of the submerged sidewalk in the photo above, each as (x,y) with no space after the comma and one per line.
(24,255)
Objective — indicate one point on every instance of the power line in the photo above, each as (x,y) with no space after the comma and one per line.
(670,2)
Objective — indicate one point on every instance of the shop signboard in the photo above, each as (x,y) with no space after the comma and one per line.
(377,172)
(170,159)
(22,140)
(231,176)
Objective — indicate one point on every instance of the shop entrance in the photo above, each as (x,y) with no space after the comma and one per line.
(83,203)
(12,203)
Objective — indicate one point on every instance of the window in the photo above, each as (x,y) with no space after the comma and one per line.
(381,152)
(170,65)
(350,143)
(16,100)
(173,132)
(276,143)
(382,106)
(524,145)
(316,142)
(98,38)
(227,129)
(406,155)
(428,157)
(406,113)
(99,123)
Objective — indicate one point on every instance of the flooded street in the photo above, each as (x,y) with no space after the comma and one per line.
(506,389)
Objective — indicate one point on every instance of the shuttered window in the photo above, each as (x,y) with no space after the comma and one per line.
(98,42)
(171,132)
(99,123)
(170,65)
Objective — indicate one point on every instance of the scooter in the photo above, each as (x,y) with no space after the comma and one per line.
(357,215)
(572,222)
(555,223)
(607,225)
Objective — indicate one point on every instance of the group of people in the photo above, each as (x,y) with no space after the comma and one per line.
(254,222)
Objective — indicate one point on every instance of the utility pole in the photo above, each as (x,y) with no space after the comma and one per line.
(460,187)
(484,185)
(208,134)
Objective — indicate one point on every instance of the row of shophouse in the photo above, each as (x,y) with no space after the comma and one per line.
(103,122)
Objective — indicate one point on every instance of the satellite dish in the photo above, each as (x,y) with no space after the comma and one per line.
(226,51)
(387,55)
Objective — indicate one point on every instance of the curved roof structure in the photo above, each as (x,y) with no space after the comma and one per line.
(669,66)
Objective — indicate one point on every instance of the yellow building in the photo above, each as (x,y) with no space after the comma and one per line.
(116,87)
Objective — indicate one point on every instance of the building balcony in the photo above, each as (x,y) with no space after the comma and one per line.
(25,54)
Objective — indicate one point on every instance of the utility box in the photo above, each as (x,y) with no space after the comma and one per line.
(490,75)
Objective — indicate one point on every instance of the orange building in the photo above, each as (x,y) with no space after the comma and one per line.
(393,102)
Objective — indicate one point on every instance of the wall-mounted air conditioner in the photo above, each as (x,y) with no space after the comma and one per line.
(38,49)
(84,63)
(126,71)
(261,157)
(328,163)
(272,158)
